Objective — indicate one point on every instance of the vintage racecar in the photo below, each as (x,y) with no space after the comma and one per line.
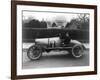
(74,47)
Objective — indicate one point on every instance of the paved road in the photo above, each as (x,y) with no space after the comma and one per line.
(55,59)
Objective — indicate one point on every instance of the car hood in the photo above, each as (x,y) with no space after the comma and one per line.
(48,40)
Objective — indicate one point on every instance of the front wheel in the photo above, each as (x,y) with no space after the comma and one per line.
(77,51)
(34,52)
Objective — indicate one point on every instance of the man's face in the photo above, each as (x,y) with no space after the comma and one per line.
(67,34)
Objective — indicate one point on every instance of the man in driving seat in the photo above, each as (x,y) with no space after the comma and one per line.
(65,38)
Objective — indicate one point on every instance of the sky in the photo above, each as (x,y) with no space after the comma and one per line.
(48,16)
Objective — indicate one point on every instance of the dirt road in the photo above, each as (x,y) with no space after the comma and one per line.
(55,59)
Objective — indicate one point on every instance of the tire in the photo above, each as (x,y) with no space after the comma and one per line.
(34,52)
(77,51)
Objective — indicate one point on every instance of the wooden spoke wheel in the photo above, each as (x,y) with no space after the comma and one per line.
(77,51)
(34,52)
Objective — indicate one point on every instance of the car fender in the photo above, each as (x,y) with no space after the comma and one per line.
(78,43)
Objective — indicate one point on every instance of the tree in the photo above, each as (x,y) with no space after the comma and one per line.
(83,17)
(34,24)
(81,22)
(84,21)
(73,24)
(43,24)
(54,24)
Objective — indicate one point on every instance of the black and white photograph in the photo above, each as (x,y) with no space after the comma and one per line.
(55,40)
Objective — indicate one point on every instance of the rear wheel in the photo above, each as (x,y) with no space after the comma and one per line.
(34,52)
(77,51)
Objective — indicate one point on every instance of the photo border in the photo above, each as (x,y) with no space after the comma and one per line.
(14,39)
